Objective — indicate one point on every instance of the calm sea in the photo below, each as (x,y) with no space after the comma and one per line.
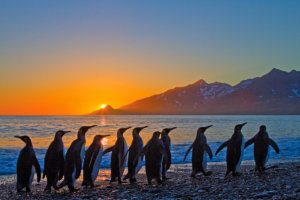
(285,130)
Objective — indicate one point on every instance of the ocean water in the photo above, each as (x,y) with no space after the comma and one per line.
(284,130)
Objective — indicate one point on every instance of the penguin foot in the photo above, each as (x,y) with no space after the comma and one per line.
(56,187)
(120,181)
(149,181)
(72,189)
(132,180)
(28,190)
(236,174)
(19,190)
(159,181)
(208,173)
(92,185)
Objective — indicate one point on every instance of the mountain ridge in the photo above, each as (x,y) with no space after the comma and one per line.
(276,92)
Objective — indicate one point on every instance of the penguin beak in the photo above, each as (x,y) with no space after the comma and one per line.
(243,124)
(64,132)
(21,138)
(170,129)
(240,126)
(88,127)
(125,129)
(208,127)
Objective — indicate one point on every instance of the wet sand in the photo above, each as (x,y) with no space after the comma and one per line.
(282,182)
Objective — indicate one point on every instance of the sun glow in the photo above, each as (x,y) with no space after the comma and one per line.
(103,106)
(104,141)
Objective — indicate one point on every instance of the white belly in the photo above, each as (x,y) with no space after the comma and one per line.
(31,175)
(241,156)
(139,165)
(82,152)
(73,175)
(122,165)
(96,165)
(204,161)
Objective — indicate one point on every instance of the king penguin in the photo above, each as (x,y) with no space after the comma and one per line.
(54,161)
(118,156)
(27,165)
(92,161)
(199,154)
(261,148)
(235,150)
(154,154)
(167,143)
(135,160)
(74,158)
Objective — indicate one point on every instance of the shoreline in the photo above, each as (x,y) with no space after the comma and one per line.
(278,183)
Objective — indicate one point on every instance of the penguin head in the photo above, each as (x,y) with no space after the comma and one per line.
(137,130)
(61,133)
(156,134)
(98,138)
(262,128)
(203,129)
(25,139)
(121,131)
(239,127)
(82,130)
(167,130)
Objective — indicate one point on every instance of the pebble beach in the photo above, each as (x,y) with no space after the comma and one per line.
(282,182)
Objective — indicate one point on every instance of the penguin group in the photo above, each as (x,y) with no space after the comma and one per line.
(157,153)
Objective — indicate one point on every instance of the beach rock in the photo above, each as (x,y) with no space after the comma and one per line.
(155,191)
(265,194)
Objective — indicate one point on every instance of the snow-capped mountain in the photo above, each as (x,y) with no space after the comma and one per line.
(277,92)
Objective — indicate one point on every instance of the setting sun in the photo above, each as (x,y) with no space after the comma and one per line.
(104,141)
(103,106)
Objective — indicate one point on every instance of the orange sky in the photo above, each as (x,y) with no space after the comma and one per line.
(62,58)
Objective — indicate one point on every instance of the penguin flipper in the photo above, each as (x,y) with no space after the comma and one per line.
(108,150)
(274,145)
(208,150)
(78,167)
(37,168)
(222,146)
(249,142)
(188,152)
(124,157)
(61,163)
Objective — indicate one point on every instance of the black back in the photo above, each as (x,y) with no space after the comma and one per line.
(54,161)
(73,160)
(154,151)
(89,160)
(26,161)
(135,151)
(234,150)
(116,157)
(199,146)
(167,144)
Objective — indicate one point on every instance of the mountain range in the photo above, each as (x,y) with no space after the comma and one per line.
(277,92)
